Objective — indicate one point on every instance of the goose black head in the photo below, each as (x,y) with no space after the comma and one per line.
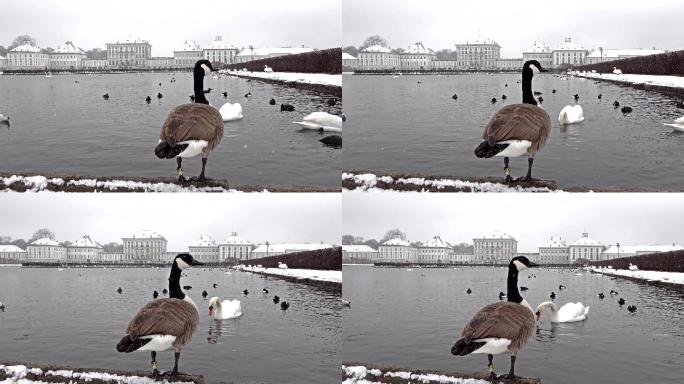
(203,67)
(185,260)
(532,67)
(521,263)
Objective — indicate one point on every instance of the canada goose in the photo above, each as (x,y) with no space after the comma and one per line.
(332,102)
(276,299)
(333,141)
(264,290)
(617,71)
(455,96)
(321,121)
(155,294)
(561,287)
(286,107)
(164,323)
(501,295)
(626,109)
(621,301)
(552,295)
(231,112)
(228,309)
(245,292)
(493,100)
(105,96)
(469,291)
(503,97)
(523,288)
(500,327)
(204,293)
(248,94)
(632,308)
(517,129)
(225,94)
(616,104)
(568,313)
(148,99)
(678,124)
(599,96)
(119,290)
(601,295)
(272,101)
(571,114)
(284,305)
(191,129)
(159,95)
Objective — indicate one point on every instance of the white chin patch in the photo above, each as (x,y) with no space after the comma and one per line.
(520,266)
(181,264)
(206,69)
(534,68)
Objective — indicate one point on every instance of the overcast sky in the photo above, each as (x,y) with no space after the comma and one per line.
(627,218)
(167,24)
(181,218)
(439,24)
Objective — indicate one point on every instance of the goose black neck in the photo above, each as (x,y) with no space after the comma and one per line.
(512,285)
(175,291)
(528,97)
(198,76)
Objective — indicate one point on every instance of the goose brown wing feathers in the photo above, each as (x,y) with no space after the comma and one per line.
(507,320)
(165,317)
(193,121)
(519,122)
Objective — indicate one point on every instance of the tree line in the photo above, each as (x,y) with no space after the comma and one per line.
(95,53)
(442,54)
(461,248)
(111,247)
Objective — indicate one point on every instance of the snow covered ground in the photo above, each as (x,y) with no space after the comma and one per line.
(18,374)
(663,81)
(311,274)
(362,375)
(369,182)
(41,183)
(296,77)
(665,277)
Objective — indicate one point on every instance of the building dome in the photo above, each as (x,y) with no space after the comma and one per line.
(585,240)
(189,46)
(205,241)
(569,45)
(436,242)
(234,239)
(418,49)
(86,242)
(147,234)
(219,44)
(555,242)
(538,47)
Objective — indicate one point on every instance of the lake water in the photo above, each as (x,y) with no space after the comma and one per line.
(75,317)
(61,126)
(396,124)
(412,318)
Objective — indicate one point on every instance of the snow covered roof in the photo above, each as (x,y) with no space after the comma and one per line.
(205,241)
(289,248)
(569,45)
(10,248)
(68,47)
(273,51)
(436,242)
(219,44)
(2,57)
(86,242)
(481,41)
(497,235)
(397,241)
(538,47)
(377,49)
(146,234)
(555,242)
(346,56)
(358,248)
(45,241)
(419,49)
(188,46)
(234,239)
(129,39)
(616,53)
(586,240)
(26,48)
(642,249)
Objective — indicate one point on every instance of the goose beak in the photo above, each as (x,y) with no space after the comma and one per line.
(532,265)
(195,262)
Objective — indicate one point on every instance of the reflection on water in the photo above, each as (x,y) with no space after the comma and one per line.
(222,328)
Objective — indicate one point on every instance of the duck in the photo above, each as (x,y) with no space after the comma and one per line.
(165,291)
(501,327)
(523,288)
(272,101)
(552,295)
(205,293)
(501,295)
(517,129)
(536,93)
(287,108)
(626,109)
(215,285)
(571,114)
(105,96)
(613,292)
(187,287)
(469,291)
(617,71)
(231,112)
(155,294)
(226,309)
(284,305)
(346,303)
(632,308)
(332,102)
(454,96)
(568,313)
(678,124)
(503,97)
(245,292)
(159,95)
(540,99)
(164,324)
(191,129)
(264,290)
(553,91)
(248,94)
(493,100)
(599,96)
(561,287)
(616,104)
(208,90)
(601,295)
(225,94)
(621,302)
(192,98)
(333,141)
(276,299)
(148,99)
(321,121)
(119,290)
(2,307)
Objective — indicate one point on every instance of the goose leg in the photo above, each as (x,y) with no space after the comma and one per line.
(492,375)
(179,169)
(155,372)
(530,161)
(507,170)
(175,364)
(204,164)
(511,373)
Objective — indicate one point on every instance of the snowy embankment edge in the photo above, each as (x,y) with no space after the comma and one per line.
(634,79)
(354,373)
(293,77)
(300,274)
(674,278)
(20,374)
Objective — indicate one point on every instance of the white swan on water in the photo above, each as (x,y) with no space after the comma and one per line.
(267,68)
(231,112)
(228,309)
(571,114)
(617,71)
(4,119)
(570,312)
(678,124)
(633,267)
(321,121)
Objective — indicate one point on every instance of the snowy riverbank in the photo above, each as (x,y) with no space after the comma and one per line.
(366,374)
(663,277)
(300,274)
(371,182)
(293,77)
(22,374)
(654,80)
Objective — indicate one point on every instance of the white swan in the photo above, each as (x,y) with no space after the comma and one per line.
(267,68)
(4,119)
(321,121)
(571,114)
(568,313)
(282,265)
(617,71)
(231,112)
(633,267)
(678,124)
(228,309)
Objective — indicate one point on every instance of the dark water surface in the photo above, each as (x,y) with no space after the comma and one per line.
(60,126)
(396,124)
(75,317)
(412,318)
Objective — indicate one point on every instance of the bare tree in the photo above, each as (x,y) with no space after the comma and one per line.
(393,233)
(96,53)
(373,40)
(21,40)
(352,50)
(41,234)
